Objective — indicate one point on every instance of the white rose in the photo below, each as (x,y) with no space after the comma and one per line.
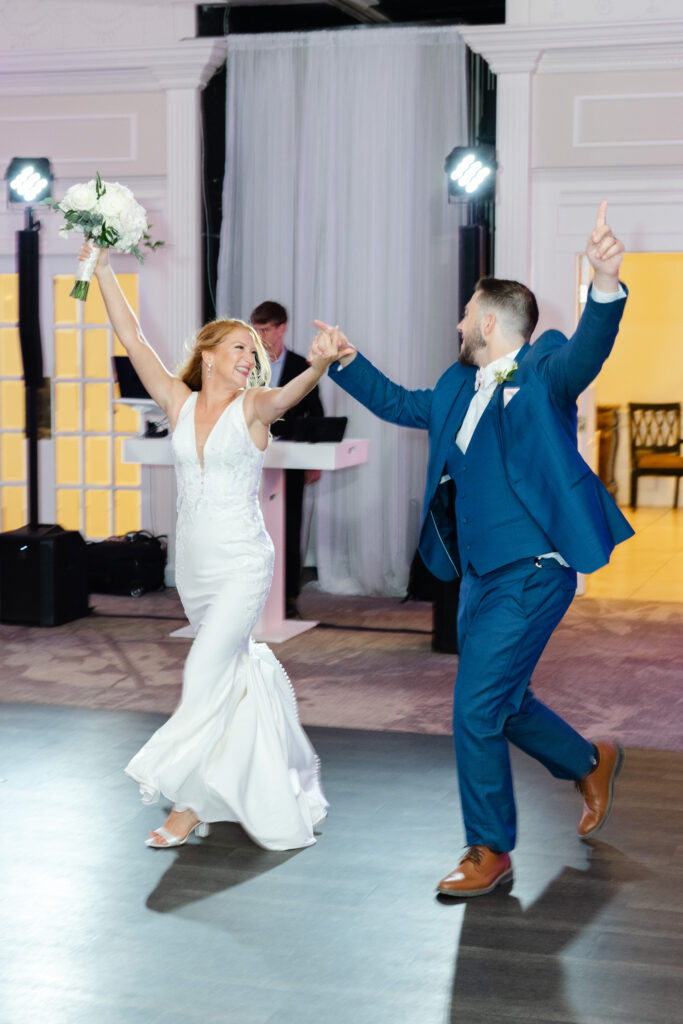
(133,225)
(80,197)
(115,200)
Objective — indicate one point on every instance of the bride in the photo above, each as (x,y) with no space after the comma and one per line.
(234,749)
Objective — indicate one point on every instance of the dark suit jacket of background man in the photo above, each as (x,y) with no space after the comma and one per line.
(310,405)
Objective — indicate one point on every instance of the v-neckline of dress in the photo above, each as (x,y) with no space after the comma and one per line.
(200,459)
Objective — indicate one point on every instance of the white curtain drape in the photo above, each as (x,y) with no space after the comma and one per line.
(335,205)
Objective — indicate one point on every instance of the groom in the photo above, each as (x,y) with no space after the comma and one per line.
(512,508)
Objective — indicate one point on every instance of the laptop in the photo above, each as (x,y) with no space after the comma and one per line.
(130,384)
(319,429)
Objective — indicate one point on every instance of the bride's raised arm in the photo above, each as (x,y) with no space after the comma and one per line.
(167,390)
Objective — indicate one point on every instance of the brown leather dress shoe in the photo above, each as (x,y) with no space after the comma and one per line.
(597,789)
(480,871)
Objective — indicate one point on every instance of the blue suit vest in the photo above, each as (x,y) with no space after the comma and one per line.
(493,526)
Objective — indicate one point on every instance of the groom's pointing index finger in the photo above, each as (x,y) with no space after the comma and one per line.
(601,218)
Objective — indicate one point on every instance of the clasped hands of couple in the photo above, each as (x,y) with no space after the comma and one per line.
(330,339)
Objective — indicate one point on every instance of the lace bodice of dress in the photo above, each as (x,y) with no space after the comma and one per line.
(228,482)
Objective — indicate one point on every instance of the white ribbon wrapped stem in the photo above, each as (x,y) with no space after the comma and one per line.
(86,267)
(85,271)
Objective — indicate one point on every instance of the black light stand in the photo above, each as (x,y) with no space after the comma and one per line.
(31,348)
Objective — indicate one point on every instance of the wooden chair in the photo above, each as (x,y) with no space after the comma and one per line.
(607,422)
(655,443)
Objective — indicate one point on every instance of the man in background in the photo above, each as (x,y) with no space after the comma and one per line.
(270,320)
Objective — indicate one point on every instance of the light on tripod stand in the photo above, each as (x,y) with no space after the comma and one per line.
(29,179)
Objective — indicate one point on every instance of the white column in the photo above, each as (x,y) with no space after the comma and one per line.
(513,57)
(183,197)
(182,80)
(513,186)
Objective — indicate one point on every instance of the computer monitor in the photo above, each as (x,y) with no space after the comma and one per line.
(319,429)
(130,384)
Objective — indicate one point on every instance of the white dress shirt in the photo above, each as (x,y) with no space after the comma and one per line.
(485,385)
(276,368)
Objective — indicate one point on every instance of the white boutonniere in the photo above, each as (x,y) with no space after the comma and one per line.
(505,371)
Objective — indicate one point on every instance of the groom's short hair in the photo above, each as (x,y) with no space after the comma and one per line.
(514,302)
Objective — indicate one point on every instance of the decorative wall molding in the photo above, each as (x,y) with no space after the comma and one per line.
(588,12)
(113,137)
(632,115)
(93,24)
(562,47)
(189,63)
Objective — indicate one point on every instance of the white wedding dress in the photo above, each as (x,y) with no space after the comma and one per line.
(234,749)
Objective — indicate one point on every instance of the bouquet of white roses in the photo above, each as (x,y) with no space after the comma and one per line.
(107,214)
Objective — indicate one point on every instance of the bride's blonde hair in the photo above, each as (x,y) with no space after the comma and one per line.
(209,337)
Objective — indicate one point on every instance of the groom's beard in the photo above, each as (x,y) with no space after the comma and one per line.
(472,343)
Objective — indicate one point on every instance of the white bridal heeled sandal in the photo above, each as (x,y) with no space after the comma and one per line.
(201,829)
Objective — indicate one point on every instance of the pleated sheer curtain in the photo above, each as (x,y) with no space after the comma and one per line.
(335,205)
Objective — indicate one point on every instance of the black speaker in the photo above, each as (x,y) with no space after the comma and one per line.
(29,309)
(472,266)
(43,576)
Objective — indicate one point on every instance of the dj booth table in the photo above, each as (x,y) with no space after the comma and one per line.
(280,456)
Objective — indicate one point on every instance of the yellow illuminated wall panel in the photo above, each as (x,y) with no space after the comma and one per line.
(126,419)
(69,507)
(13,507)
(96,354)
(12,405)
(126,511)
(68,460)
(12,457)
(10,352)
(98,461)
(127,473)
(67,347)
(93,310)
(96,492)
(65,308)
(9,298)
(98,513)
(12,410)
(646,363)
(67,410)
(98,399)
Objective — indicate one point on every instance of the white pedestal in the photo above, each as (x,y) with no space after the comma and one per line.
(272,627)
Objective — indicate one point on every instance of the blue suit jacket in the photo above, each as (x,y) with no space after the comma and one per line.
(537,433)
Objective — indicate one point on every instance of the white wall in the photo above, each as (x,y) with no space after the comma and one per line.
(113,87)
(601,102)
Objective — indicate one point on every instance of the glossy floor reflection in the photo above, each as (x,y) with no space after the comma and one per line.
(97,927)
(649,566)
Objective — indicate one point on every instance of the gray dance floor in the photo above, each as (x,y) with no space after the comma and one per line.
(95,927)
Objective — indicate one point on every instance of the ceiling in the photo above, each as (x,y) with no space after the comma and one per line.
(285,16)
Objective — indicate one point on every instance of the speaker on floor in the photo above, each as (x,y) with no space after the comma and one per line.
(43,576)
